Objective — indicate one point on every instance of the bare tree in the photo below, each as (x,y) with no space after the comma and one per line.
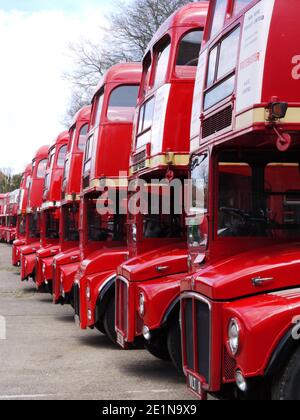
(8,181)
(131,29)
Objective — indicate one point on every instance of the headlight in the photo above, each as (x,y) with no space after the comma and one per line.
(234,336)
(88,293)
(142,304)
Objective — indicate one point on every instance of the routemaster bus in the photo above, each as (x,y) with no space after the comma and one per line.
(51,211)
(11,217)
(240,303)
(148,288)
(106,163)
(21,222)
(2,214)
(35,197)
(65,264)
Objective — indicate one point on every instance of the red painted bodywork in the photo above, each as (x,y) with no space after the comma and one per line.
(66,263)
(35,198)
(10,230)
(225,282)
(109,161)
(141,272)
(21,223)
(51,210)
(3,207)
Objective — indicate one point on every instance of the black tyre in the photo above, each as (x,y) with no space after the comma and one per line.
(286,384)
(174,345)
(158,347)
(100,327)
(109,320)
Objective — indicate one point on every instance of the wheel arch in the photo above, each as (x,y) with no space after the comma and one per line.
(172,311)
(105,294)
(282,353)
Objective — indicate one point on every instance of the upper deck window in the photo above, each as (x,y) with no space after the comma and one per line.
(73,134)
(146,116)
(82,137)
(188,54)
(62,156)
(41,170)
(122,103)
(162,61)
(221,69)
(100,100)
(88,154)
(147,68)
(240,5)
(145,122)
(218,17)
(51,158)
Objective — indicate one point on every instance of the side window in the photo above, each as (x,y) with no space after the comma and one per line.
(62,156)
(82,137)
(240,5)
(146,116)
(41,169)
(188,54)
(228,54)
(219,17)
(100,100)
(51,158)
(162,61)
(147,68)
(212,67)
(88,154)
(122,103)
(73,134)
(221,69)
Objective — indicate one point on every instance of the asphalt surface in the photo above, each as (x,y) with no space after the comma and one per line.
(46,357)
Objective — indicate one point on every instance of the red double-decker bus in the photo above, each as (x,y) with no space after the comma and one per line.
(240,303)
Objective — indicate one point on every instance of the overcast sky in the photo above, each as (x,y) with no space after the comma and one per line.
(35,35)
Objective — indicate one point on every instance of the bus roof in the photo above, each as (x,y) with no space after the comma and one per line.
(190,15)
(121,73)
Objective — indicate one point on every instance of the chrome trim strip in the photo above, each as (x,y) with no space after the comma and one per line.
(196,296)
(106,282)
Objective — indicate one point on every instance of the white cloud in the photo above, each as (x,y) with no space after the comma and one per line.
(33,96)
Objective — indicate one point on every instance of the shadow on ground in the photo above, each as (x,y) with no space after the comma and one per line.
(154,370)
(99,341)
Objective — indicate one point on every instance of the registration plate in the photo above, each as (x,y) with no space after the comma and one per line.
(196,386)
(120,340)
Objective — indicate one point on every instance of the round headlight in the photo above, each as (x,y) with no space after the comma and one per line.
(234,336)
(88,293)
(142,304)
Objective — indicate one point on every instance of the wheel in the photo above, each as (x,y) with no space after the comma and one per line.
(109,320)
(158,347)
(100,327)
(286,384)
(174,345)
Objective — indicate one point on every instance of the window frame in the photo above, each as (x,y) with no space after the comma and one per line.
(116,88)
(44,162)
(183,36)
(80,135)
(231,73)
(64,146)
(98,96)
(141,132)
(160,46)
